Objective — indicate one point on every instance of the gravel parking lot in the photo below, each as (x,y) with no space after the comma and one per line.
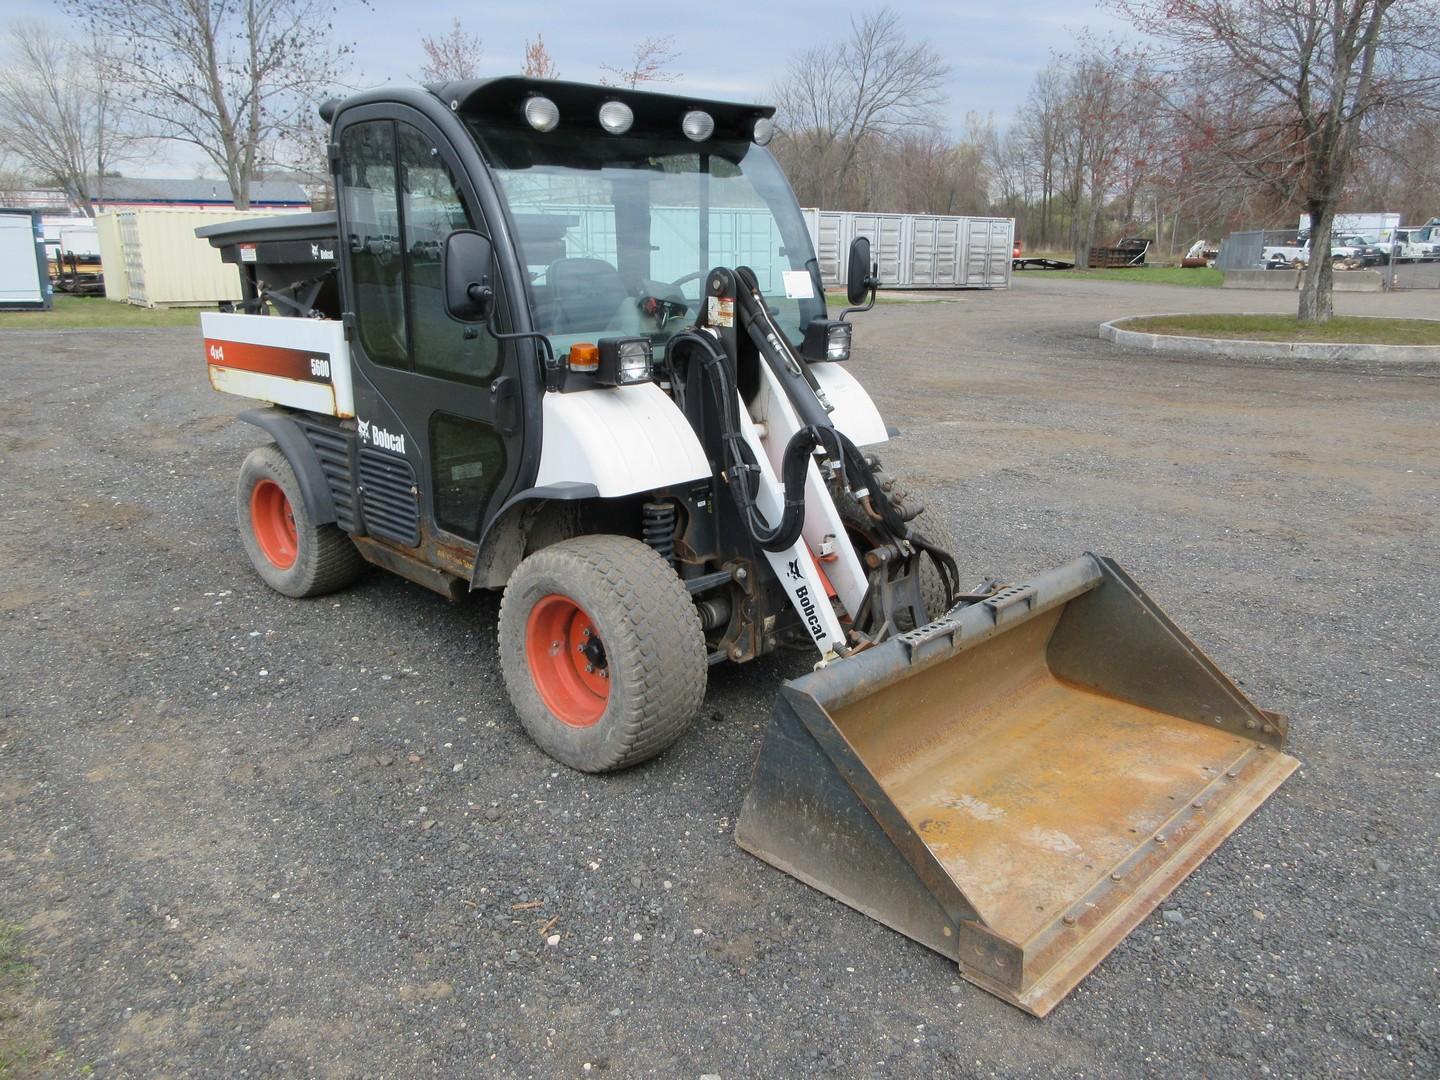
(249,836)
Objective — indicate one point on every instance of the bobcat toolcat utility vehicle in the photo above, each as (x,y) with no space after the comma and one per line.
(572,342)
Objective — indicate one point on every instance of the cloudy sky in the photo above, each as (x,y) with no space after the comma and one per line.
(735,50)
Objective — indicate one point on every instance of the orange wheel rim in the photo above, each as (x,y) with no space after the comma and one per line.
(567,661)
(273,523)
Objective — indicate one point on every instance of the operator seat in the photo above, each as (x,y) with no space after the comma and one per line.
(585,293)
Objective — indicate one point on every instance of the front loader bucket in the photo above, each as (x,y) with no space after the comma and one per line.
(1018,784)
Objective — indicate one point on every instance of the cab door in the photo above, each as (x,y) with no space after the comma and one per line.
(439,423)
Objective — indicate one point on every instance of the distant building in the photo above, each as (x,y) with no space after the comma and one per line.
(51,200)
(135,193)
(138,193)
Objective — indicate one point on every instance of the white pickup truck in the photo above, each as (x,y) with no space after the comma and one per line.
(1281,256)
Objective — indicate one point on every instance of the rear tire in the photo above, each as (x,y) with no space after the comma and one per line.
(602,652)
(929,523)
(291,553)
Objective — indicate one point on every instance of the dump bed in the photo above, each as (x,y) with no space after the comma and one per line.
(287,263)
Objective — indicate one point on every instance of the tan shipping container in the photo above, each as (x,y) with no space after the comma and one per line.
(112,256)
(158,261)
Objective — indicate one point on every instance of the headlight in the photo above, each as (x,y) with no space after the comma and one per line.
(697,125)
(624,361)
(763,131)
(826,339)
(616,117)
(542,113)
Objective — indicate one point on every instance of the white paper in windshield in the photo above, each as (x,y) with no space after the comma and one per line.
(799,285)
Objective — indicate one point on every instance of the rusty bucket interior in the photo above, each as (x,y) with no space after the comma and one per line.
(1018,784)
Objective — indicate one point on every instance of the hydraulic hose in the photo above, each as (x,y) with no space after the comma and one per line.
(741,471)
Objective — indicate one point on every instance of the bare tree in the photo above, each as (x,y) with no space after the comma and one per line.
(1401,170)
(1041,128)
(454,55)
(1299,80)
(836,100)
(650,62)
(57,115)
(538,62)
(233,78)
(13,180)
(1105,111)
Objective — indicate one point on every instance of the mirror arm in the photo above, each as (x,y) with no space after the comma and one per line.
(873,283)
(547,351)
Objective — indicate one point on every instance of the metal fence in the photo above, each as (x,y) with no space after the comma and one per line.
(1241,250)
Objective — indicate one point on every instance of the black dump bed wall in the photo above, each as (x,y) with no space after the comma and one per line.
(286,262)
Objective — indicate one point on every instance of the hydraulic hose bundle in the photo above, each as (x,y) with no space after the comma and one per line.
(741,471)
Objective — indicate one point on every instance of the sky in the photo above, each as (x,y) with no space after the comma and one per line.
(733,51)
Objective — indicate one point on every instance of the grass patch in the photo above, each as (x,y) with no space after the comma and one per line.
(24,1047)
(95,312)
(1205,277)
(836,300)
(1340,330)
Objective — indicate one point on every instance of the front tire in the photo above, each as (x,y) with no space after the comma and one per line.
(602,652)
(291,553)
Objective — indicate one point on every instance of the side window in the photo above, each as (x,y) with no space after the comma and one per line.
(367,154)
(431,209)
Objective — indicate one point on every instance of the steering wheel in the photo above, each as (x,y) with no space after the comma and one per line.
(662,309)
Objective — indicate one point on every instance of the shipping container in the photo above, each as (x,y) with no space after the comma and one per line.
(917,251)
(152,258)
(24,280)
(112,256)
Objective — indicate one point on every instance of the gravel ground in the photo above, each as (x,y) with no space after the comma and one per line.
(255,837)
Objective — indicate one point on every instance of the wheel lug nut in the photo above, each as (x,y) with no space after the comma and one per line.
(590,669)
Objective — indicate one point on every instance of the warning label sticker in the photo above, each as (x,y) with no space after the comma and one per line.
(722,311)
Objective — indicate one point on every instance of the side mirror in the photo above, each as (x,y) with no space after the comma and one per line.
(466,265)
(860,279)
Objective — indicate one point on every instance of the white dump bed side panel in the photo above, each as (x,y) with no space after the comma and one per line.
(624,440)
(302,363)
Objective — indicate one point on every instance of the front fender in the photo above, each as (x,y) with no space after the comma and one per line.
(623,440)
(852,411)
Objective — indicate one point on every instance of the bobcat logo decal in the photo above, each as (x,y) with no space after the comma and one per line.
(379,437)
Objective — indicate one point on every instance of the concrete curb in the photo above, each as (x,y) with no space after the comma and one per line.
(1239,348)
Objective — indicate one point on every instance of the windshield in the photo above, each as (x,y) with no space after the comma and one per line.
(617,234)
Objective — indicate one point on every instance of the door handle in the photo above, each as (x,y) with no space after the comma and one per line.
(503,402)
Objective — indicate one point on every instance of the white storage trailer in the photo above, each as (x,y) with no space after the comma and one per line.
(24,278)
(917,251)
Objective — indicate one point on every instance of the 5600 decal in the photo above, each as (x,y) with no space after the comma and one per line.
(268,360)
